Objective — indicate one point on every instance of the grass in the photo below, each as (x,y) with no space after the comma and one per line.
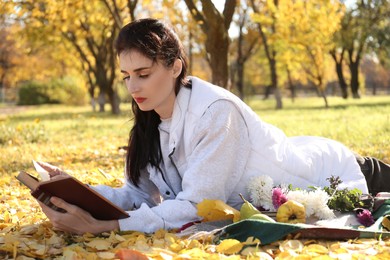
(81,141)
(362,125)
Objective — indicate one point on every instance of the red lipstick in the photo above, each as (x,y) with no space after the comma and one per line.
(139,100)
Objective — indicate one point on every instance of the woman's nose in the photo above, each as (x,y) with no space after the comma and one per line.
(132,86)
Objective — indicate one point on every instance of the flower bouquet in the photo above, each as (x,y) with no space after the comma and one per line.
(293,205)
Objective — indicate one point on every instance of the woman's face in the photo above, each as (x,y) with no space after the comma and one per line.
(151,84)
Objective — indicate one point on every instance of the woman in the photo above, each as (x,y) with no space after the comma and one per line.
(192,141)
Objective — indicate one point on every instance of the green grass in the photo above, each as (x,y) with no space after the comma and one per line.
(362,125)
(81,141)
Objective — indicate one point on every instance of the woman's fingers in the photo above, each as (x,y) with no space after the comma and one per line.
(60,203)
(74,220)
(51,169)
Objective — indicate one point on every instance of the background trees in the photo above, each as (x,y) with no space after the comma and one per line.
(215,25)
(362,33)
(285,46)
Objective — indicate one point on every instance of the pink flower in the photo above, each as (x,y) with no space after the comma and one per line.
(364,217)
(278,197)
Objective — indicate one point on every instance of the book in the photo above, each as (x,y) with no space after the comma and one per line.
(74,192)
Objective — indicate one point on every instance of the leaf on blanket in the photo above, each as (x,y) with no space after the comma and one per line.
(215,210)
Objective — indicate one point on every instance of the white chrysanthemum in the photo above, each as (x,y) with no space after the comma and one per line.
(260,192)
(319,203)
(315,202)
(325,213)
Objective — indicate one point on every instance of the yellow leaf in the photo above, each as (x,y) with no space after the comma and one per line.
(252,241)
(316,249)
(250,252)
(99,244)
(229,246)
(291,246)
(106,255)
(214,210)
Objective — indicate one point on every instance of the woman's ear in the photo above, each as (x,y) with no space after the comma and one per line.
(177,67)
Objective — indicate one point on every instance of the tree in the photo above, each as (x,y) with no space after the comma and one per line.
(245,46)
(312,25)
(381,43)
(89,28)
(24,60)
(338,53)
(266,20)
(215,26)
(7,59)
(377,77)
(365,17)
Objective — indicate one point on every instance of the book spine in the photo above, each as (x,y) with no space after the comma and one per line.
(45,199)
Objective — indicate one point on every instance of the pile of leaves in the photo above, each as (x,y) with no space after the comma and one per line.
(25,233)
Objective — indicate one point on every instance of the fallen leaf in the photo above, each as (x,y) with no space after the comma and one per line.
(129,254)
(99,244)
(229,246)
(214,210)
(291,245)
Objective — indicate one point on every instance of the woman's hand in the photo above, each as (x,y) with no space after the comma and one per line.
(51,169)
(76,220)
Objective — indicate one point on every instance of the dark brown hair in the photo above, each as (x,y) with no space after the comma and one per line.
(158,42)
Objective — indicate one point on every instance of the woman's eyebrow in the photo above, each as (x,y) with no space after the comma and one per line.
(137,69)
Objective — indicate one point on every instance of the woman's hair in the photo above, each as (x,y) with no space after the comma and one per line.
(158,42)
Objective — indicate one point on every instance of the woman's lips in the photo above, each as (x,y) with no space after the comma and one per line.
(139,99)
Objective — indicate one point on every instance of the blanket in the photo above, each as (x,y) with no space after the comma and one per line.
(344,226)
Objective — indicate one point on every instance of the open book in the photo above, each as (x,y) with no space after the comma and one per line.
(72,191)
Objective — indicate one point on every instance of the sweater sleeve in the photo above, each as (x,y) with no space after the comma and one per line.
(130,197)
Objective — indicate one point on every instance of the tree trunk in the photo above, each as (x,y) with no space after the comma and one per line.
(114,101)
(323,94)
(268,91)
(215,25)
(190,55)
(93,104)
(340,75)
(274,83)
(2,94)
(101,101)
(271,56)
(217,49)
(354,68)
(291,85)
(278,98)
(240,80)
(342,83)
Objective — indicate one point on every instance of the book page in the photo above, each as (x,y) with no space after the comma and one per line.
(42,172)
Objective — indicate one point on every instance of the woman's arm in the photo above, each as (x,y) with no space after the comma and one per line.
(129,197)
(220,154)
(76,220)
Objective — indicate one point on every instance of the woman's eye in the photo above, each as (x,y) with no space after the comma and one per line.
(126,77)
(144,76)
